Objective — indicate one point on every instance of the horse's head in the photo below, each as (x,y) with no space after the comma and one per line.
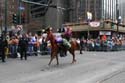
(47,38)
(50,36)
(48,31)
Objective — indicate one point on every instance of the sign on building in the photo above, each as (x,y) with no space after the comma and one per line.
(105,33)
(94,24)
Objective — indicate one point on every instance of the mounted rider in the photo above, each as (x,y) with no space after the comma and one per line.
(68,33)
(64,38)
(61,40)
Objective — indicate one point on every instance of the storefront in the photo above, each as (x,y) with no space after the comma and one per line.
(85,30)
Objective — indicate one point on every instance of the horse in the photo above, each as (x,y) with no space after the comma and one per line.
(55,48)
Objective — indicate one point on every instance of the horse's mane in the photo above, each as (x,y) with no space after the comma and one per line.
(52,39)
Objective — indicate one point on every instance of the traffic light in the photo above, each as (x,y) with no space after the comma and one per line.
(22,18)
(15,19)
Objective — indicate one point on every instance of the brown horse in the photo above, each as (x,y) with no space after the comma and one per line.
(55,48)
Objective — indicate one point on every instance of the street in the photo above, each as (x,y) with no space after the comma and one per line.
(41,26)
(91,67)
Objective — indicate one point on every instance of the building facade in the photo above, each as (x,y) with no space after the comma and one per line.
(39,17)
(100,9)
(43,16)
(122,10)
(12,8)
(103,11)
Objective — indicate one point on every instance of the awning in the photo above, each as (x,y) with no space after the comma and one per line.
(80,28)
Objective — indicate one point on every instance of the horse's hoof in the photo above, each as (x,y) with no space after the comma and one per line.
(57,64)
(73,61)
(48,64)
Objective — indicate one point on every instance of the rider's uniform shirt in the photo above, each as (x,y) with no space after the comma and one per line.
(59,39)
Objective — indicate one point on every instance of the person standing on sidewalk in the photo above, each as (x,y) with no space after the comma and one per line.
(81,45)
(3,45)
(23,45)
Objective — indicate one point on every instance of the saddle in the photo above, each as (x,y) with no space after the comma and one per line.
(66,43)
(63,42)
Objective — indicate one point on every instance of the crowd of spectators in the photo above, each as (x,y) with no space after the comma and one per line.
(23,45)
(32,44)
(100,44)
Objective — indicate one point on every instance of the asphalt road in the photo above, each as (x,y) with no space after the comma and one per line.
(91,67)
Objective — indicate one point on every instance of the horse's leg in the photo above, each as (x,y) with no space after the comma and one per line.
(57,58)
(72,51)
(52,57)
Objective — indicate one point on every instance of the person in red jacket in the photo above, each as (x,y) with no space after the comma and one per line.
(104,38)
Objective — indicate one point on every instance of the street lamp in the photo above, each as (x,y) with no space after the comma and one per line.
(89,18)
(117,17)
(118,22)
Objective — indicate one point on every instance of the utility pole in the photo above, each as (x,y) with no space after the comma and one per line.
(19,11)
(1,18)
(58,15)
(5,16)
(117,16)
